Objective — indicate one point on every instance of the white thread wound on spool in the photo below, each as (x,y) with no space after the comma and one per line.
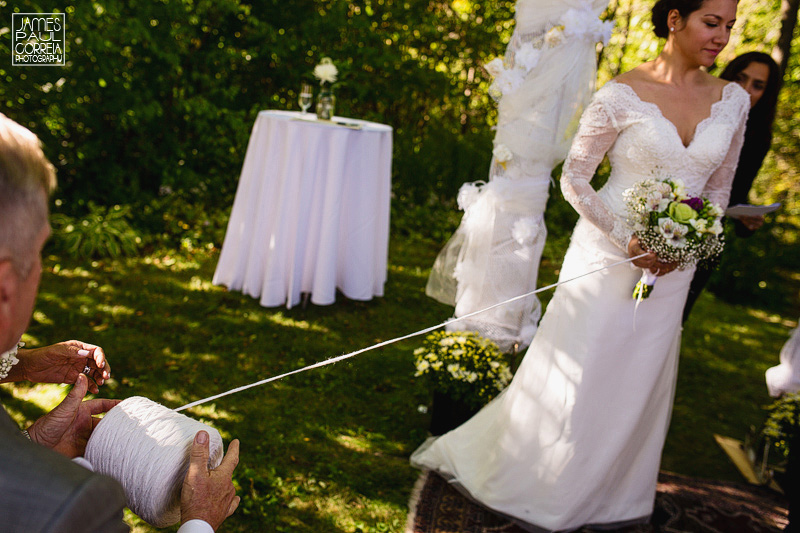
(145,447)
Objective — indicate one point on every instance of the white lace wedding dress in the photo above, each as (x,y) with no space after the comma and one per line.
(576,438)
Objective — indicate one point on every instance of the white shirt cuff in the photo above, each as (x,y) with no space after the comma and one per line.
(196,526)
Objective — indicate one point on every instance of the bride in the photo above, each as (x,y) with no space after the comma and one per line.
(576,438)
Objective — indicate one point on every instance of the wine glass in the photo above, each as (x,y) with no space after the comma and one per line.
(305,97)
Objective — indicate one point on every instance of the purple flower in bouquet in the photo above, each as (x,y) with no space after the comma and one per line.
(694,202)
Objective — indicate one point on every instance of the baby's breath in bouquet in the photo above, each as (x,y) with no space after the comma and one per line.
(677,227)
(463,365)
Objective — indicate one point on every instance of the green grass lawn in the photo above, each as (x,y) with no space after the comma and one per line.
(327,450)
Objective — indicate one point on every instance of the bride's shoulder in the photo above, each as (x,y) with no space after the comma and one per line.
(734,91)
(630,83)
(621,88)
(721,88)
(637,76)
(728,91)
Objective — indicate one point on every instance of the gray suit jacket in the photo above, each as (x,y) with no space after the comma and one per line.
(42,491)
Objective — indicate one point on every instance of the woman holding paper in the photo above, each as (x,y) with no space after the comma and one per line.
(760,76)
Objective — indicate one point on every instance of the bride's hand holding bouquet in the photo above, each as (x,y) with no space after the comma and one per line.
(650,262)
(674,229)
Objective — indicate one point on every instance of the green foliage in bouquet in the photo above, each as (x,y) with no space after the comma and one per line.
(784,417)
(102,232)
(463,365)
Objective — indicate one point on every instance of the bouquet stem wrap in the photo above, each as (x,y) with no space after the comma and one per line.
(644,286)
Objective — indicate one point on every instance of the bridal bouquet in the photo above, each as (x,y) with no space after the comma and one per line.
(677,227)
(463,365)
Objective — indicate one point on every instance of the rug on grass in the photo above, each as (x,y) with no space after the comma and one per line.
(682,505)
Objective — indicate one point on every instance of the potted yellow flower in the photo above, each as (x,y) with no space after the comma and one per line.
(465,371)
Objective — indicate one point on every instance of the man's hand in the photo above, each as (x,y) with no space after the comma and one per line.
(209,494)
(61,363)
(67,428)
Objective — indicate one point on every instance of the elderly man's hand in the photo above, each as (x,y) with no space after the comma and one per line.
(209,494)
(67,428)
(61,363)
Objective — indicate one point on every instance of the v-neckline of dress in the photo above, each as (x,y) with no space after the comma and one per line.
(697,128)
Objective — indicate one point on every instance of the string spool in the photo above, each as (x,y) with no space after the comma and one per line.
(145,447)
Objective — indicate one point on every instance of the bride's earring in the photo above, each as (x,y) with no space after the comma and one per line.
(672,29)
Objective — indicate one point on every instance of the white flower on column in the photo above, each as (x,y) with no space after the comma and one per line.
(525,231)
(584,23)
(495,67)
(502,154)
(508,82)
(603,34)
(554,36)
(468,195)
(527,57)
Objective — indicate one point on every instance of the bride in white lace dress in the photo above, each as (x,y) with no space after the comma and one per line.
(576,438)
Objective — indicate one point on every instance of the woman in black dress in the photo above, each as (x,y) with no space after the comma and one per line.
(760,76)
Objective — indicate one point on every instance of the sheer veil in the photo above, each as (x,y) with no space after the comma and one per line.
(542,85)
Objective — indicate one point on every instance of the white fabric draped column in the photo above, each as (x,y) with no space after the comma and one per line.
(542,85)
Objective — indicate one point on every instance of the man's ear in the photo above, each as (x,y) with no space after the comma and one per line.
(9,286)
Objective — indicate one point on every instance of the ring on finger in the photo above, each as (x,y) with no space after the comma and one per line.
(86,370)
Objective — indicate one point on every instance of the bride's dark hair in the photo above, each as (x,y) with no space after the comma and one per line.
(663,7)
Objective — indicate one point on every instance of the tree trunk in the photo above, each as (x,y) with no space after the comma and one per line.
(782,52)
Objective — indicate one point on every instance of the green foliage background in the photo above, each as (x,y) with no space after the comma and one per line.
(165,93)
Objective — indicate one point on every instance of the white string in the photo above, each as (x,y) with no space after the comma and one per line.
(398,339)
(146,447)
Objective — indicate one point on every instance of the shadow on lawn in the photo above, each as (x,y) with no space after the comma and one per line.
(324,450)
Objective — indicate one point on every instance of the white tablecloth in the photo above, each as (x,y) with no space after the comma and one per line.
(311,212)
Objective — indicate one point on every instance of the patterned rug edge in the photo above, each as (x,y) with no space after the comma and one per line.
(683,504)
(413,500)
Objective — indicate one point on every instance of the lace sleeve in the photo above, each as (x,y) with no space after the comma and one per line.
(718,186)
(597,133)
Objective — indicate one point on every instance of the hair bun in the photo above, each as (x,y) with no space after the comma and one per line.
(659,16)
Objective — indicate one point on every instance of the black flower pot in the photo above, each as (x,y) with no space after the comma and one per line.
(448,413)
